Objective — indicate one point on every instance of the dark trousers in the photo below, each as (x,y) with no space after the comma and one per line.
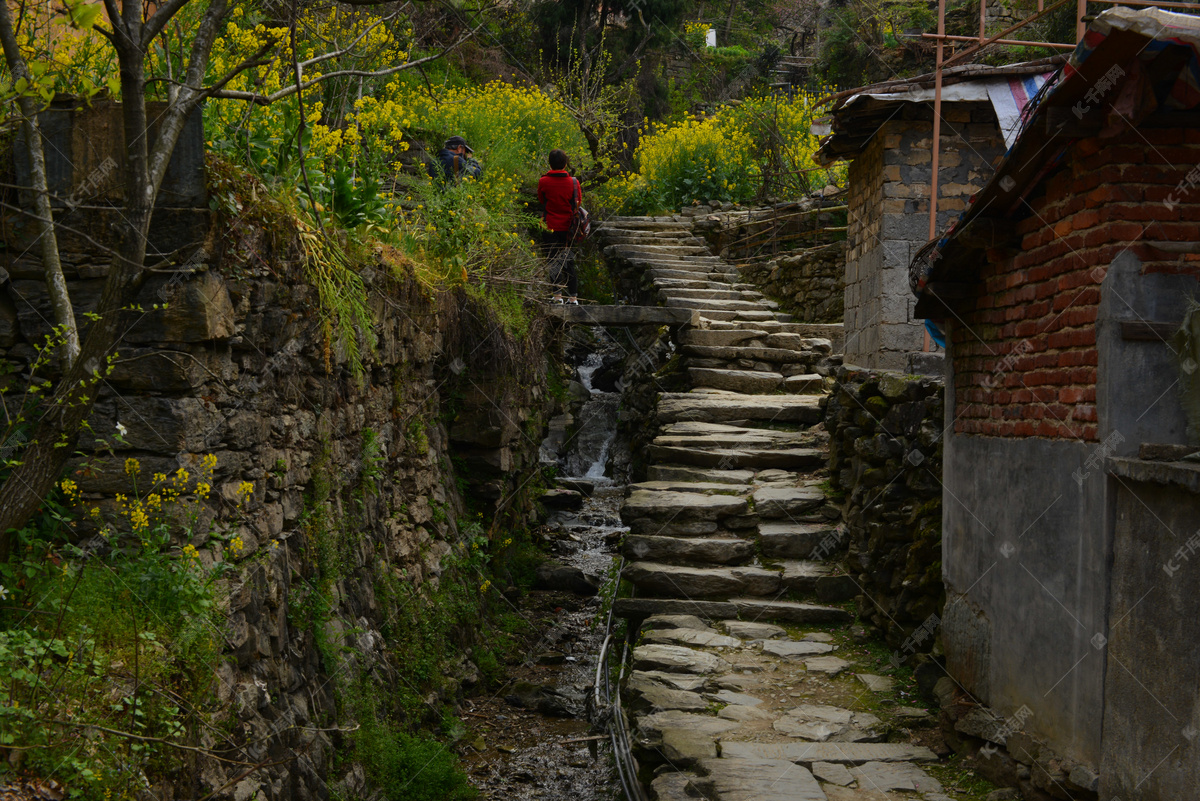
(561,261)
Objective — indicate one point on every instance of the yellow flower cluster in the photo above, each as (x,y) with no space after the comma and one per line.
(237,545)
(721,157)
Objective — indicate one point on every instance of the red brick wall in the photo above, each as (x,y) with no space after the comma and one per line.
(1025,347)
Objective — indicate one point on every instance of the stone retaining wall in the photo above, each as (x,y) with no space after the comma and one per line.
(885,457)
(808,284)
(375,469)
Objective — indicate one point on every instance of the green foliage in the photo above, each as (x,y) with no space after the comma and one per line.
(407,767)
(507,304)
(122,636)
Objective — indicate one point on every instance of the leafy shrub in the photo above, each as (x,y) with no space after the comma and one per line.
(407,767)
(725,157)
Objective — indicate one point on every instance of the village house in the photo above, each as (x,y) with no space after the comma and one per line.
(1067,294)
(885,131)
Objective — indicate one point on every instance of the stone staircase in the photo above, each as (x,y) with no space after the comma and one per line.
(732,529)
(731,510)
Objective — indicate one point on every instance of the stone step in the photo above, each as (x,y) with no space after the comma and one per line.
(714,273)
(643,224)
(803,459)
(640,608)
(750,382)
(804,384)
(707,337)
(753,779)
(681,505)
(740,316)
(801,576)
(710,550)
(679,472)
(676,251)
(694,435)
(756,609)
(788,540)
(705,305)
(773,503)
(715,408)
(719,294)
(607,232)
(807,754)
(751,352)
(677,581)
(705,487)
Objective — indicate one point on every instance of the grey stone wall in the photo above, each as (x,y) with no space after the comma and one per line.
(239,366)
(885,458)
(808,284)
(889,219)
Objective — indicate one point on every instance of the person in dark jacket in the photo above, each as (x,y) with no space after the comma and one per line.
(560,194)
(455,161)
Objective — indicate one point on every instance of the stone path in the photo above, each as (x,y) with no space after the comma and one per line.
(733,694)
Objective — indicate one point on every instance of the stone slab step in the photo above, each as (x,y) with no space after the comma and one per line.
(751,382)
(704,337)
(798,540)
(709,550)
(643,224)
(754,779)
(677,407)
(804,459)
(740,316)
(772,503)
(757,609)
(839,753)
(676,581)
(680,472)
(678,251)
(609,232)
(641,608)
(657,274)
(681,506)
(704,487)
(801,576)
(758,354)
(677,659)
(707,293)
(805,384)
(706,305)
(699,435)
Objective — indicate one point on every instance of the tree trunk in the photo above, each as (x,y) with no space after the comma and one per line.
(56,285)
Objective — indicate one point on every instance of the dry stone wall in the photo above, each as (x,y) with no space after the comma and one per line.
(359,481)
(885,458)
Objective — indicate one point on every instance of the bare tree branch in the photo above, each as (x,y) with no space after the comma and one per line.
(291,89)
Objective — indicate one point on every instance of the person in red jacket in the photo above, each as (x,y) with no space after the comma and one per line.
(560,194)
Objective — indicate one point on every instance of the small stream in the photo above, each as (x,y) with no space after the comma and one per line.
(552,751)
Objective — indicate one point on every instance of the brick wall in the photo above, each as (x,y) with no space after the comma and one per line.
(889,220)
(1025,353)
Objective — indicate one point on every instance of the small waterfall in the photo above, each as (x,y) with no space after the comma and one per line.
(587,454)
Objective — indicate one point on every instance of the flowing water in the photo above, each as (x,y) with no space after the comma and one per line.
(522,754)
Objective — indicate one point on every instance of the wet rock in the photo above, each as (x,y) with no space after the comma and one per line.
(562,499)
(546,700)
(752,631)
(672,658)
(583,486)
(563,578)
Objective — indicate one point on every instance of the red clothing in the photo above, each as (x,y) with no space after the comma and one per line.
(559,196)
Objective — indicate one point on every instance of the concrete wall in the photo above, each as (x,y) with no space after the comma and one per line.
(1025,562)
(1152,709)
(889,220)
